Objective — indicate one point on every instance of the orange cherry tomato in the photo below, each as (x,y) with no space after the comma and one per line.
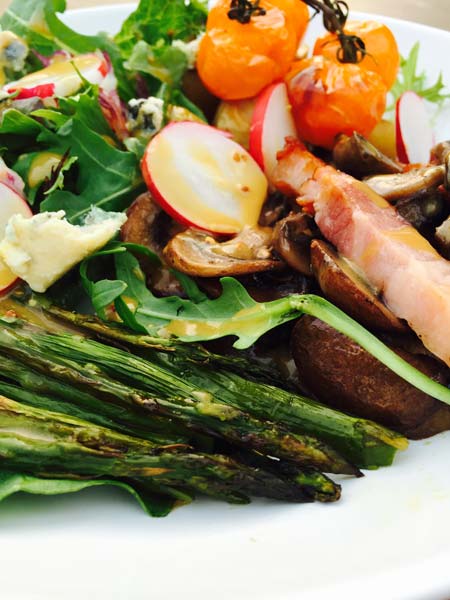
(329,98)
(237,60)
(382,55)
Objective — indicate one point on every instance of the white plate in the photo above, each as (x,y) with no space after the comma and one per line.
(387,539)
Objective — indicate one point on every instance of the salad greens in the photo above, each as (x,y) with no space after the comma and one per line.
(410,79)
(155,504)
(148,411)
(103,175)
(234,313)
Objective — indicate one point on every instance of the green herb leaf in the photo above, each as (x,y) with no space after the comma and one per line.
(163,62)
(235,313)
(108,177)
(411,80)
(161,20)
(154,504)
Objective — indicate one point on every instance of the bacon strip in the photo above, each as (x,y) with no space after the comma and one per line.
(413,279)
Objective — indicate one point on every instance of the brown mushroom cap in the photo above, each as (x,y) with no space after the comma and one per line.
(292,240)
(358,157)
(150,226)
(340,373)
(343,286)
(198,254)
(406,185)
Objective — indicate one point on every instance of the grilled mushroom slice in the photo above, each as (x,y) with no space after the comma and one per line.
(150,226)
(292,240)
(418,195)
(406,185)
(198,254)
(358,157)
(343,286)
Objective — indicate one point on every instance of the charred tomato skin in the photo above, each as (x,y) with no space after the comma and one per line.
(330,98)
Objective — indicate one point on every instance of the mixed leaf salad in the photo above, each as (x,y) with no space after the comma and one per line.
(175,185)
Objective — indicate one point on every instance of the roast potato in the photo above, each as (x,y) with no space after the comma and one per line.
(340,373)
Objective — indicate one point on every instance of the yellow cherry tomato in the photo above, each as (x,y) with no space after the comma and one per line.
(329,98)
(382,55)
(237,60)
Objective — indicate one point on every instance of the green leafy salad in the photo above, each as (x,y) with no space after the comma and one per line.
(149,287)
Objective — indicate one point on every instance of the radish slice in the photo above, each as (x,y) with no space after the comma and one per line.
(61,78)
(11,203)
(204,179)
(414,136)
(272,123)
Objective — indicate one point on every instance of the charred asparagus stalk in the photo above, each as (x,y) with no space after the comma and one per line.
(65,357)
(43,442)
(362,442)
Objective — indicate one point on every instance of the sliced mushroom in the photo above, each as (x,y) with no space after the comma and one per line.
(343,286)
(358,157)
(150,226)
(440,152)
(340,373)
(198,254)
(406,185)
(276,207)
(418,195)
(292,240)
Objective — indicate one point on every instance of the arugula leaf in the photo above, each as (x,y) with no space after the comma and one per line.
(108,178)
(410,79)
(154,504)
(235,313)
(104,176)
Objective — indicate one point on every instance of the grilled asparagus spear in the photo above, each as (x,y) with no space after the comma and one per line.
(70,358)
(47,443)
(362,442)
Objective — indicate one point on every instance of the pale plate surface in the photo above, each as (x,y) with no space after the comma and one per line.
(387,539)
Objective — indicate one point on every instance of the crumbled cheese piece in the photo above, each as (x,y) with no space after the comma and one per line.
(146,114)
(190,49)
(41,249)
(13,51)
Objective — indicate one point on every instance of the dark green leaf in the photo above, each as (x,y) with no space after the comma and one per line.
(154,504)
(108,178)
(161,20)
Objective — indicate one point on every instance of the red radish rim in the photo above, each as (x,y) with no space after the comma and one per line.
(400,137)
(257,124)
(17,280)
(400,146)
(157,196)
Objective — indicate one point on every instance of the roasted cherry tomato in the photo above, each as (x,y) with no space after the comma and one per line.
(237,60)
(328,98)
(382,55)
